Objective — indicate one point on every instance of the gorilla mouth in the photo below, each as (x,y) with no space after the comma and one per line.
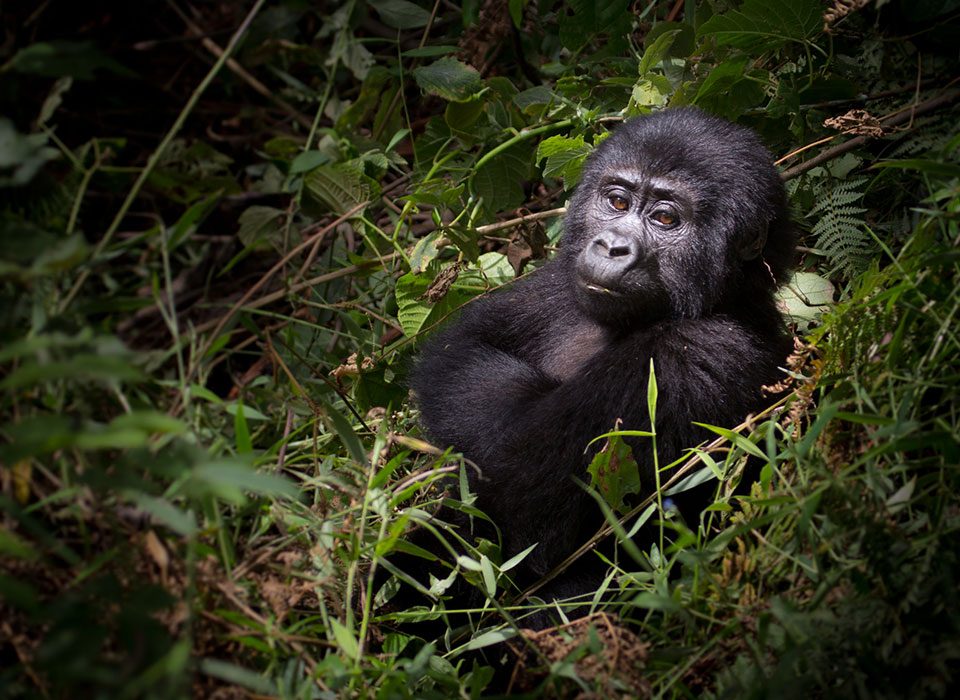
(597,288)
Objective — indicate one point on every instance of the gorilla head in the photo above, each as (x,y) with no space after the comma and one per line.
(674,212)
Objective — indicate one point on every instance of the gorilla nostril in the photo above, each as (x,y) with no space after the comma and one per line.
(619,251)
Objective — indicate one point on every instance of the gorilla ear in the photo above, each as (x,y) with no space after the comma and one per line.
(752,246)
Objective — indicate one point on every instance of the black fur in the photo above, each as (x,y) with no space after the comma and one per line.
(686,276)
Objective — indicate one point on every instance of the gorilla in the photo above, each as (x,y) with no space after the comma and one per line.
(675,241)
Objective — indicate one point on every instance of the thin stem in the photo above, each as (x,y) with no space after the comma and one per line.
(159,152)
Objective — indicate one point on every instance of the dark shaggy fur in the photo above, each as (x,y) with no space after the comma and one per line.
(685,275)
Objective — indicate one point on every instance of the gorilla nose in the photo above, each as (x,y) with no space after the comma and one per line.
(611,248)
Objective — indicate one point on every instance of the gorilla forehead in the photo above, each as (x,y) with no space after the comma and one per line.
(688,146)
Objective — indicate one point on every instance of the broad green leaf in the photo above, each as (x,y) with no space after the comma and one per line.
(258,223)
(150,422)
(722,77)
(614,472)
(582,20)
(307,161)
(936,168)
(499,181)
(805,297)
(450,79)
(761,25)
(657,51)
(339,187)
(400,14)
(564,157)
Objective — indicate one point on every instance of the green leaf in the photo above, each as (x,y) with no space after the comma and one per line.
(652,394)
(933,167)
(805,297)
(722,78)
(237,675)
(230,478)
(517,558)
(308,160)
(760,25)
(516,11)
(450,79)
(564,157)
(339,187)
(430,51)
(500,180)
(242,431)
(736,439)
(165,512)
(400,14)
(78,59)
(582,20)
(82,367)
(614,472)
(343,635)
(344,430)
(489,638)
(657,51)
(258,223)
(489,576)
(191,219)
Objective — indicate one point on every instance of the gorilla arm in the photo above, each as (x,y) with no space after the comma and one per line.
(529,431)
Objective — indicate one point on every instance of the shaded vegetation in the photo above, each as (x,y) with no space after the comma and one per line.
(224,229)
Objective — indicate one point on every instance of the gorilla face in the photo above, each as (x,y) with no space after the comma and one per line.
(636,220)
(670,209)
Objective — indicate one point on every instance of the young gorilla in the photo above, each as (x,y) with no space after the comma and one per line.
(676,240)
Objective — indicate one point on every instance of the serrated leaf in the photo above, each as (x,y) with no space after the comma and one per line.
(722,77)
(657,51)
(450,79)
(760,25)
(583,19)
(258,222)
(564,157)
(339,187)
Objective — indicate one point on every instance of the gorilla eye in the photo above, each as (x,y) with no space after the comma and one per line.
(619,203)
(664,217)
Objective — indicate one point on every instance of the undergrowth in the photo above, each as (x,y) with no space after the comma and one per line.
(224,230)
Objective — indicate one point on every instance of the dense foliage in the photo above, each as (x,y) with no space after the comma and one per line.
(224,229)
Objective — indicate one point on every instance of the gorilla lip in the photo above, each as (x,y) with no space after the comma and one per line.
(598,289)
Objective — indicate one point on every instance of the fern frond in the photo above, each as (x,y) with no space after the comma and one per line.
(840,232)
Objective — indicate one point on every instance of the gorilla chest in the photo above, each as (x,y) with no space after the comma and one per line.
(571,348)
